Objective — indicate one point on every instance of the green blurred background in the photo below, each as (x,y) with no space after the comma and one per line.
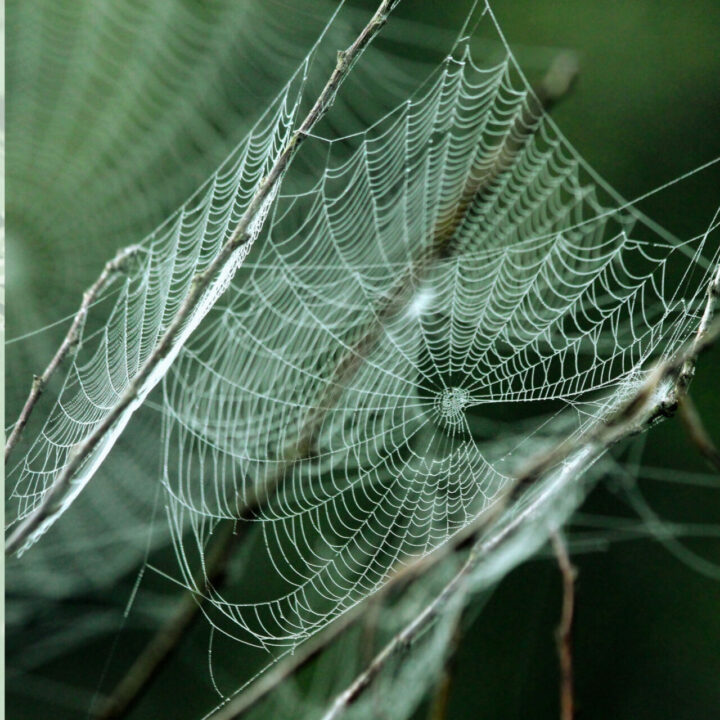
(647,643)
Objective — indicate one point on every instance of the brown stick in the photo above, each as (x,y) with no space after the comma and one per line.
(108,274)
(441,697)
(563,634)
(696,431)
(140,675)
(52,504)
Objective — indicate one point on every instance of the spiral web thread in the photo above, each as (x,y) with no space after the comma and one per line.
(353,373)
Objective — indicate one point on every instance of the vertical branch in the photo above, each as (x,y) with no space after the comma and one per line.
(108,274)
(563,634)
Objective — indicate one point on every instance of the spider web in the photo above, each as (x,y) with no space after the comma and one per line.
(377,332)
(455,258)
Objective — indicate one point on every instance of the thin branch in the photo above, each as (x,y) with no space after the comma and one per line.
(142,672)
(203,283)
(648,404)
(563,634)
(696,431)
(108,274)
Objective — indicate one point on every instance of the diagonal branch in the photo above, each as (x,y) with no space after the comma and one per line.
(654,400)
(59,495)
(108,274)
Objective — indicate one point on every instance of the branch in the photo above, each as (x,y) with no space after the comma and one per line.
(441,697)
(53,504)
(564,630)
(696,431)
(108,274)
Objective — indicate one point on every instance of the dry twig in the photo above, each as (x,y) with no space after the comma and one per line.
(563,634)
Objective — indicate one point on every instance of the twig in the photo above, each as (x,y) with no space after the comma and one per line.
(203,284)
(441,697)
(635,415)
(142,672)
(696,431)
(165,641)
(108,274)
(563,634)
